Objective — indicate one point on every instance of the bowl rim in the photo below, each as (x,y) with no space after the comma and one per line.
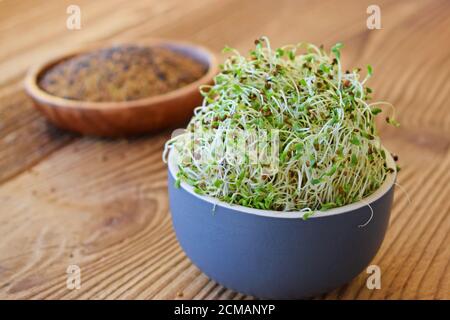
(36,92)
(380,192)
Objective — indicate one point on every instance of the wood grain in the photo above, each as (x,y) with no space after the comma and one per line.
(102,204)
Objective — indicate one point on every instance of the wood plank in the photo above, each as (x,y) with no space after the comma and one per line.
(25,136)
(102,204)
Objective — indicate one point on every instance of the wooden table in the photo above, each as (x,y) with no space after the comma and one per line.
(102,204)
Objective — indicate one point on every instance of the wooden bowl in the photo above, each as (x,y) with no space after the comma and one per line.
(128,117)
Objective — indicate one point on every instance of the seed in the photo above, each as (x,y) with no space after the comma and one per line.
(121,73)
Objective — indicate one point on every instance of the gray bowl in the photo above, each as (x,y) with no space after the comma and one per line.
(278,255)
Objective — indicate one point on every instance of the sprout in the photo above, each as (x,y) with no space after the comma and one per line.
(328,152)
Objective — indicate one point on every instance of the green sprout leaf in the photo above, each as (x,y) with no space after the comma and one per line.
(198,190)
(355,141)
(336,49)
(354,160)
(327,206)
(227,49)
(392,122)
(332,170)
(218,183)
(376,111)
(280,52)
(291,55)
(307,215)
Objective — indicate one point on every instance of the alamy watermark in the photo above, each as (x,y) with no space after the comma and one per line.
(73,21)
(231,147)
(374,19)
(73,281)
(373,282)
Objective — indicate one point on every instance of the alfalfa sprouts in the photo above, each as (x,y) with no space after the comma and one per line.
(328,150)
